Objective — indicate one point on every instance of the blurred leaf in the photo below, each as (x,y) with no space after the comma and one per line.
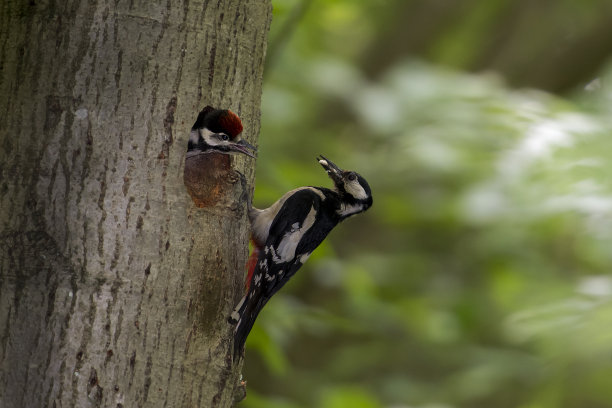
(480,276)
(350,397)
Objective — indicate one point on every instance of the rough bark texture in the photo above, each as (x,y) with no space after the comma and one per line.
(114,287)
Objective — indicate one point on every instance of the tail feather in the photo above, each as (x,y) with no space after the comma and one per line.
(244,316)
(250,305)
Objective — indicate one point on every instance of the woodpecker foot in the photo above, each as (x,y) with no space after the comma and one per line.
(240,391)
(244,195)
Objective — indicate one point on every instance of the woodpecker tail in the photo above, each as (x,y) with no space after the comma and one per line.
(248,308)
(244,316)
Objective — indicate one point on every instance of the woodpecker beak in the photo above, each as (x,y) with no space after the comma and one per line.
(333,171)
(242,146)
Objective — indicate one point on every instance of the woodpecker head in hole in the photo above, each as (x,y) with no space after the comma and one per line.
(218,130)
(352,187)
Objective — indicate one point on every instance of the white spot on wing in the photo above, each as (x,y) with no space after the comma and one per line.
(304,258)
(289,243)
(275,257)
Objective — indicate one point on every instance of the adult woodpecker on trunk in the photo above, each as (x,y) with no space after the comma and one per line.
(286,233)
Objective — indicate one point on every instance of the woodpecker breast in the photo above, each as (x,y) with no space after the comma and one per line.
(206,178)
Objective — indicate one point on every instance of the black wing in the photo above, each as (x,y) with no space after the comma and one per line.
(299,227)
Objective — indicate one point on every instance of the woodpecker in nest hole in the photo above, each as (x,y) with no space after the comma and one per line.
(214,137)
(286,233)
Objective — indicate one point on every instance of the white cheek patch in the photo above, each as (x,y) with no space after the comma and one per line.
(355,189)
(289,243)
(210,140)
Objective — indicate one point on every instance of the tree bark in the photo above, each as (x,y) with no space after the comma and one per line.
(114,288)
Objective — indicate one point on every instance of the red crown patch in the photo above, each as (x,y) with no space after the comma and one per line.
(231,124)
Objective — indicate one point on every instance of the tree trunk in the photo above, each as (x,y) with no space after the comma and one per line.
(114,287)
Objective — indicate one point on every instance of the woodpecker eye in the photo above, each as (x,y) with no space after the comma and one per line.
(224,136)
(352,177)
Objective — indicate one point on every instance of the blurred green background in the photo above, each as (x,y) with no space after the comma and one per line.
(481,275)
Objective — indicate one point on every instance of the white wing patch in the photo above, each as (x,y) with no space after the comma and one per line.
(289,243)
(275,257)
(261,220)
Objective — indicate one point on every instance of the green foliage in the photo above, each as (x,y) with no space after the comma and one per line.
(481,275)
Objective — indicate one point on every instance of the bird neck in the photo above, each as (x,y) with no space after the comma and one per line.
(344,205)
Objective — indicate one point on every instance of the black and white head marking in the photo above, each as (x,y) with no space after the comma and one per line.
(210,138)
(355,185)
(353,189)
(217,130)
